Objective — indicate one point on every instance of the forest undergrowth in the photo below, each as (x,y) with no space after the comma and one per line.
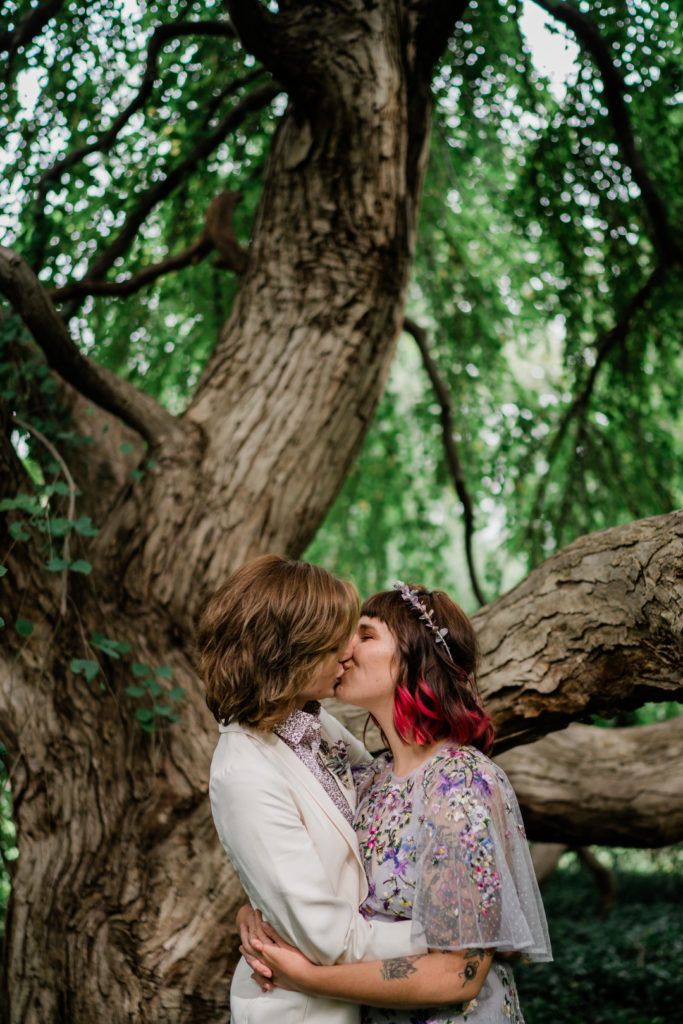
(625,968)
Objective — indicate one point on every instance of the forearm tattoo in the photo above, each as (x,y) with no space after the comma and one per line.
(474,956)
(400,967)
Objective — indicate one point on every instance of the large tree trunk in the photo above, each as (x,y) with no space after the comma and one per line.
(123,901)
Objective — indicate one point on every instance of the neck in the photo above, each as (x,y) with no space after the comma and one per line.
(407,756)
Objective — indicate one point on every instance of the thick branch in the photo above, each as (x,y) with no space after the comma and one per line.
(218,233)
(615,787)
(194,253)
(268,36)
(31,302)
(597,626)
(450,448)
(589,36)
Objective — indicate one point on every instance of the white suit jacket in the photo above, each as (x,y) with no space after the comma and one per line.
(298,861)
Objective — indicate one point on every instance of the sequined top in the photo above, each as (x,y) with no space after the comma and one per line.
(445,847)
(302,733)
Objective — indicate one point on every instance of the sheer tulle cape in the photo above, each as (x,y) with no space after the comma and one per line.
(476,885)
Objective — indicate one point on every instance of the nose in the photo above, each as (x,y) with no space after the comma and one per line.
(347,653)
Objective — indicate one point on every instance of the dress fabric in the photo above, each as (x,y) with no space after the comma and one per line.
(445,847)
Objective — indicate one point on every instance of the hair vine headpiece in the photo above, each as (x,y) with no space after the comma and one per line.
(426,615)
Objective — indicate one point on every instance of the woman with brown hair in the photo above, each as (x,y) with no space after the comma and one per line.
(439,828)
(271,642)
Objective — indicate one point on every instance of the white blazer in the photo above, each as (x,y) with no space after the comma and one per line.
(298,861)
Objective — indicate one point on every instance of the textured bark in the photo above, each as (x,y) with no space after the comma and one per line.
(123,901)
(615,787)
(596,627)
(293,383)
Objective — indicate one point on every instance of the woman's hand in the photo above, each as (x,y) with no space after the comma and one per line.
(252,927)
(288,967)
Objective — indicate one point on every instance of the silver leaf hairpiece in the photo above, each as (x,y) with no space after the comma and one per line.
(426,615)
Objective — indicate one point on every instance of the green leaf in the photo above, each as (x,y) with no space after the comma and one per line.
(23,627)
(87,667)
(60,527)
(136,691)
(165,712)
(3,571)
(84,526)
(177,693)
(113,648)
(137,474)
(57,564)
(26,502)
(139,669)
(164,672)
(18,532)
(58,487)
(127,447)
(80,565)
(154,687)
(2,622)
(144,715)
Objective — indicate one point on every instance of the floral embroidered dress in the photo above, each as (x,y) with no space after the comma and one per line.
(445,847)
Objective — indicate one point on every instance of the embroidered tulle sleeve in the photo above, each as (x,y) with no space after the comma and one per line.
(475,882)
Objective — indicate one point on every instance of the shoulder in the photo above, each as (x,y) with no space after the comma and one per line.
(458,768)
(242,751)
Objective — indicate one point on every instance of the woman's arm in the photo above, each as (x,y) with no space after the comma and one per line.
(423,979)
(283,874)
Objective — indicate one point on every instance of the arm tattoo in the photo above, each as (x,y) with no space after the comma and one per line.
(470,972)
(400,967)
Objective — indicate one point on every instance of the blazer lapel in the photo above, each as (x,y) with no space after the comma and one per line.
(275,749)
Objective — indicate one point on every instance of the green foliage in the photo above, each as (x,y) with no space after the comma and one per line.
(159,699)
(535,242)
(64,93)
(625,969)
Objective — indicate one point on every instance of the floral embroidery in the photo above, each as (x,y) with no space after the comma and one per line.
(336,759)
(448,847)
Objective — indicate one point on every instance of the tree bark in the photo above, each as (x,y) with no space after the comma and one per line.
(597,627)
(612,787)
(123,901)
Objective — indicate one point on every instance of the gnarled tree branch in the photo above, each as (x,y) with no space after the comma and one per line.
(616,787)
(599,625)
(118,396)
(218,233)
(450,448)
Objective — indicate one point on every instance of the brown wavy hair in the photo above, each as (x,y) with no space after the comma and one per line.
(436,697)
(262,635)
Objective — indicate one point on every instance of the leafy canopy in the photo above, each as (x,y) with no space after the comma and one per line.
(542,272)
